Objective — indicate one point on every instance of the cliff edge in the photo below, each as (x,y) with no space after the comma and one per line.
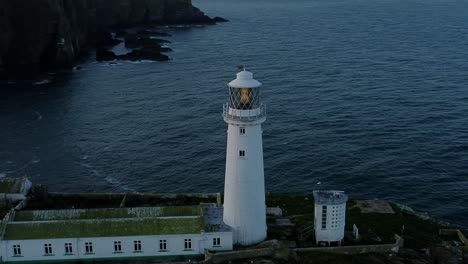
(46,34)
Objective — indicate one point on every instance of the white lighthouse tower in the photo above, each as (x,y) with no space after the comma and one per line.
(244,187)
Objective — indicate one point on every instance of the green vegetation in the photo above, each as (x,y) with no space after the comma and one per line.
(106,213)
(107,200)
(296,207)
(291,204)
(374,228)
(377,228)
(6,185)
(103,228)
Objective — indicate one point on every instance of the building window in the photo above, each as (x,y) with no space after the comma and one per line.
(117,246)
(242,130)
(68,248)
(216,242)
(16,250)
(241,153)
(324,217)
(137,245)
(162,245)
(188,244)
(48,249)
(89,247)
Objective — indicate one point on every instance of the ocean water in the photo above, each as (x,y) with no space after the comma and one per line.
(366,96)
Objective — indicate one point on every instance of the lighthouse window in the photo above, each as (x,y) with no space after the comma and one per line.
(242,131)
(244,98)
(241,153)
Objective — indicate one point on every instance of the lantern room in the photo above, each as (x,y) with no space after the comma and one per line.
(244,92)
(244,98)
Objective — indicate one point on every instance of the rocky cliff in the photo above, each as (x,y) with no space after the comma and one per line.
(45,34)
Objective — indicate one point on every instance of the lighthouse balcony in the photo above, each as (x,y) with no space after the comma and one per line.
(244,114)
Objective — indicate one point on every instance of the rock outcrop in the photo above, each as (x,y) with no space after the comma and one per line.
(46,34)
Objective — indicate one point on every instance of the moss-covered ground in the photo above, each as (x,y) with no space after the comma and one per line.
(104,228)
(106,213)
(374,228)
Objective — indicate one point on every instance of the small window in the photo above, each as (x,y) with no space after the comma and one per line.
(162,245)
(242,130)
(68,248)
(216,241)
(117,246)
(137,245)
(48,249)
(241,153)
(89,247)
(16,250)
(188,243)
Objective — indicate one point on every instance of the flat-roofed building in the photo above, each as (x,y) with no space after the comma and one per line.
(113,233)
(330,215)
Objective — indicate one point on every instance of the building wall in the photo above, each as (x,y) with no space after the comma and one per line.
(103,247)
(334,223)
(226,241)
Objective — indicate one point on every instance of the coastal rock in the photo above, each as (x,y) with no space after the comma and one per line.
(45,34)
(103,54)
(135,40)
(220,19)
(144,54)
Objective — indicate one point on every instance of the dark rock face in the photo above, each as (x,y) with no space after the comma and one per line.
(220,19)
(46,34)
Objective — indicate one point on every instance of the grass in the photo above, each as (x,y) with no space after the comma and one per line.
(104,228)
(374,228)
(298,208)
(93,200)
(6,185)
(107,213)
(418,233)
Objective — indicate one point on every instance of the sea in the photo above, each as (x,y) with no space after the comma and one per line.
(365,96)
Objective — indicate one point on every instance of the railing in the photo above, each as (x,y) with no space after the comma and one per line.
(244,115)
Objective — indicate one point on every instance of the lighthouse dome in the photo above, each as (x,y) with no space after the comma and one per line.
(244,80)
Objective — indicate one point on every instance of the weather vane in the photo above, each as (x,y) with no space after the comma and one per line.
(241,67)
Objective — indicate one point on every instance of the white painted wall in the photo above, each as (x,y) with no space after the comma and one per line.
(226,241)
(103,247)
(244,191)
(335,223)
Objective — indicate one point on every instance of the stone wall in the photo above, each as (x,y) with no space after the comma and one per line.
(361,249)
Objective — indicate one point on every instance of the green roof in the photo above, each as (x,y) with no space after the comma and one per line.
(106,213)
(104,228)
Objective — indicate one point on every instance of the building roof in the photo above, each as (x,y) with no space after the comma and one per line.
(105,222)
(106,213)
(330,197)
(244,80)
(103,228)
(214,218)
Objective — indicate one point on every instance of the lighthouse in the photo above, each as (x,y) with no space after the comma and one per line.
(244,187)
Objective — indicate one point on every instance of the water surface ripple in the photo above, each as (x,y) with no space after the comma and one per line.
(368,96)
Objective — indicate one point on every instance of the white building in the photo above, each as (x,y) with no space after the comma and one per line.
(244,189)
(329,217)
(113,233)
